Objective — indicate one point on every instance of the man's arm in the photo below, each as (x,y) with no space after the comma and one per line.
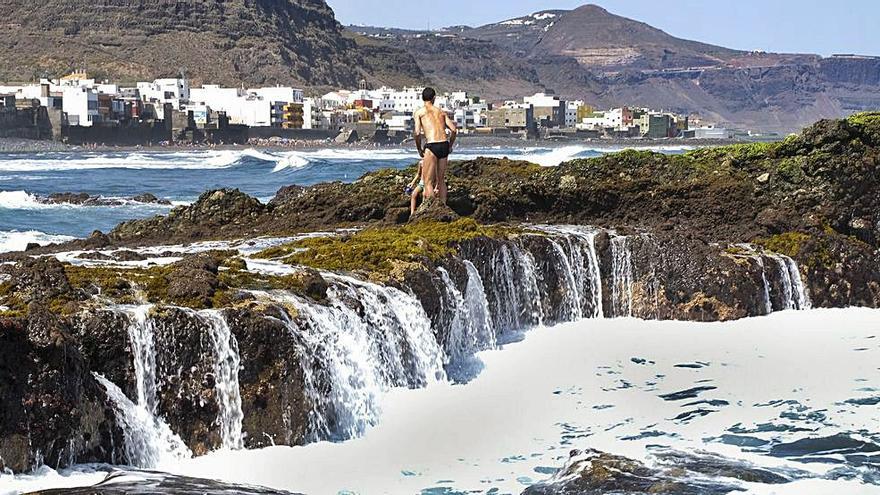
(453,130)
(417,133)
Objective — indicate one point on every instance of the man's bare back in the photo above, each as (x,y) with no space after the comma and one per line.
(433,122)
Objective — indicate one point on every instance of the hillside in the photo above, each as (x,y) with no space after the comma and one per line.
(228,42)
(608,60)
(587,53)
(596,38)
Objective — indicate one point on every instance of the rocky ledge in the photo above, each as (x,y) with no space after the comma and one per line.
(234,343)
(85,199)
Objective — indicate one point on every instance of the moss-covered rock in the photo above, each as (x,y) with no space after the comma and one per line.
(380,249)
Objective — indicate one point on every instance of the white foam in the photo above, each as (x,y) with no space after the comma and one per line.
(18,241)
(44,478)
(200,159)
(576,386)
(20,200)
(220,159)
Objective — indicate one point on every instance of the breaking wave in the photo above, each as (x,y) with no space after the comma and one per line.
(18,241)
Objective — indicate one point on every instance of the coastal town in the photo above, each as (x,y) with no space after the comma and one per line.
(78,109)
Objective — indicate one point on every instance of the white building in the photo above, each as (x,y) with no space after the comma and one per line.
(464,118)
(407,100)
(283,94)
(382,101)
(334,100)
(81,105)
(161,91)
(571,112)
(400,122)
(602,120)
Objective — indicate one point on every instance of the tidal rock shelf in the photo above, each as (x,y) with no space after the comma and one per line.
(166,338)
(264,363)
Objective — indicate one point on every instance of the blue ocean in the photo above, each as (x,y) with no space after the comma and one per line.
(181,176)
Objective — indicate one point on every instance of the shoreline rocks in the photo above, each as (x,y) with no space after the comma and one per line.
(700,236)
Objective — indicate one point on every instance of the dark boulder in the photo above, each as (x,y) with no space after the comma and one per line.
(433,209)
(52,405)
(592,472)
(193,281)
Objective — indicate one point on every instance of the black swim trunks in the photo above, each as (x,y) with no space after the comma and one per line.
(440,150)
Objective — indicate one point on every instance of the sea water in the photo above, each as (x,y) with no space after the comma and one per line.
(181,176)
(623,386)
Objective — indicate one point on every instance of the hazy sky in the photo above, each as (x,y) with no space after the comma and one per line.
(806,26)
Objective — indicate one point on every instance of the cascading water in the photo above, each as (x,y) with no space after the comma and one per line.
(140,337)
(470,328)
(794,291)
(584,262)
(353,354)
(622,278)
(227,362)
(478,307)
(149,441)
(768,304)
(515,295)
(785,279)
(802,300)
(572,289)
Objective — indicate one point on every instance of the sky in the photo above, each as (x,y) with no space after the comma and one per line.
(790,26)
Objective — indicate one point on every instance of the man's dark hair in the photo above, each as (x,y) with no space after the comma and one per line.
(429,94)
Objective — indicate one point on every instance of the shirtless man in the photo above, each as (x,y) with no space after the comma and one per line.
(434,122)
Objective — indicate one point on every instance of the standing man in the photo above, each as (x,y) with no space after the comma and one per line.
(434,122)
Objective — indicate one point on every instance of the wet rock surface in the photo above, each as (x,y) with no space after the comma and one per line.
(85,199)
(807,208)
(592,472)
(53,410)
(150,482)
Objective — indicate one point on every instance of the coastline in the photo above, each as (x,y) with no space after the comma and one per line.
(16,145)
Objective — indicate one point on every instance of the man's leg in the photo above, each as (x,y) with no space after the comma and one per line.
(441,179)
(429,174)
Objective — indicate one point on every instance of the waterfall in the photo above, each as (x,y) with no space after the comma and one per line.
(622,277)
(368,339)
(226,365)
(515,294)
(471,328)
(595,275)
(149,441)
(785,278)
(794,291)
(585,262)
(572,289)
(478,306)
(768,305)
(140,336)
(800,290)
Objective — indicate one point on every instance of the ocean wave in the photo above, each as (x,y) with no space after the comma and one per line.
(20,200)
(23,200)
(196,160)
(293,159)
(17,241)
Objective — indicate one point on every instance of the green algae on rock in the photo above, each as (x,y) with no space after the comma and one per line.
(378,249)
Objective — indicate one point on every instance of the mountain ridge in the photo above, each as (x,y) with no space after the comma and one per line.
(608,60)
(587,53)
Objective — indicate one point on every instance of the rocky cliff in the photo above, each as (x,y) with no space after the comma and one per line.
(147,342)
(226,42)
